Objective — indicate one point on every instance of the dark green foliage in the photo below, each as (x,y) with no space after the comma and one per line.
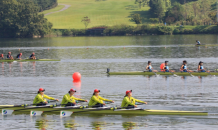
(122,30)
(137,18)
(19,18)
(175,13)
(46,4)
(154,20)
(165,30)
(184,1)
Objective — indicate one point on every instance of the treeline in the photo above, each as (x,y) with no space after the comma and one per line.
(192,12)
(122,30)
(20,18)
(46,4)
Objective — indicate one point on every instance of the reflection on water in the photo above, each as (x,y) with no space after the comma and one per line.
(129,125)
(91,56)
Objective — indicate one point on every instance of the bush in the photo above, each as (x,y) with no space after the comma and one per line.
(176,31)
(165,30)
(66,32)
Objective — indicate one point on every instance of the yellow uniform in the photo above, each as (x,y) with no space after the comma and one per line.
(95,100)
(40,98)
(67,98)
(129,101)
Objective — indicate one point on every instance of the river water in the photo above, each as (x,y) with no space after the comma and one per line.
(91,56)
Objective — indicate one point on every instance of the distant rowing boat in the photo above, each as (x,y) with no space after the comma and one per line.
(104,110)
(24,60)
(163,73)
(200,45)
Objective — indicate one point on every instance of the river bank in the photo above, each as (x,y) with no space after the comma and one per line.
(125,30)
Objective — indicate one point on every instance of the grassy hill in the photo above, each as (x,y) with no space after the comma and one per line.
(104,12)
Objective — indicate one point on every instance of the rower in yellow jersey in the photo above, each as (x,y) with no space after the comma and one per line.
(40,98)
(129,101)
(96,100)
(69,99)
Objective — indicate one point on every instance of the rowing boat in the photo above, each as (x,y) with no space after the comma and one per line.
(163,73)
(200,45)
(24,60)
(103,110)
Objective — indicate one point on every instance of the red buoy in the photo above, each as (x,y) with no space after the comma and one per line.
(161,66)
(76,76)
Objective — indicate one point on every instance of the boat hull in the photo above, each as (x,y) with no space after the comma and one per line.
(25,60)
(163,73)
(113,111)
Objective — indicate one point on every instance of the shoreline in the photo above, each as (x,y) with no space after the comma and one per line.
(126,30)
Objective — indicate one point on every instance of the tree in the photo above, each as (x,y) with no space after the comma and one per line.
(213,16)
(196,8)
(159,7)
(170,20)
(20,18)
(137,19)
(205,7)
(176,11)
(86,21)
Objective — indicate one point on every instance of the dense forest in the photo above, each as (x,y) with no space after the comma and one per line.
(46,4)
(183,12)
(20,18)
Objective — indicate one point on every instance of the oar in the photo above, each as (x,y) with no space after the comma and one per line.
(66,108)
(23,105)
(97,109)
(173,73)
(153,72)
(208,72)
(190,74)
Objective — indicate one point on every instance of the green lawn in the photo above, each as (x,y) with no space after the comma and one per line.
(108,12)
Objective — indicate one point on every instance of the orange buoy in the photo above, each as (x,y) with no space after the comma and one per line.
(76,76)
(161,66)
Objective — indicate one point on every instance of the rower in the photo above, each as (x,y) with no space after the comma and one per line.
(198,42)
(32,56)
(39,99)
(166,67)
(69,99)
(184,67)
(129,101)
(150,68)
(9,56)
(201,67)
(19,56)
(97,101)
(1,56)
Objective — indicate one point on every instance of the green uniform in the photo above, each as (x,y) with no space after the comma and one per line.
(67,98)
(40,98)
(94,100)
(129,101)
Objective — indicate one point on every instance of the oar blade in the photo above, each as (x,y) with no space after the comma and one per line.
(65,113)
(36,113)
(7,112)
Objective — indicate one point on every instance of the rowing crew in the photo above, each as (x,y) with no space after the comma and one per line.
(95,101)
(18,57)
(165,68)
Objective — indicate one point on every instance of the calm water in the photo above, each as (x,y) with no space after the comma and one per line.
(91,56)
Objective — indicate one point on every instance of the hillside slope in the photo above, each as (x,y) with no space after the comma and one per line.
(107,12)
